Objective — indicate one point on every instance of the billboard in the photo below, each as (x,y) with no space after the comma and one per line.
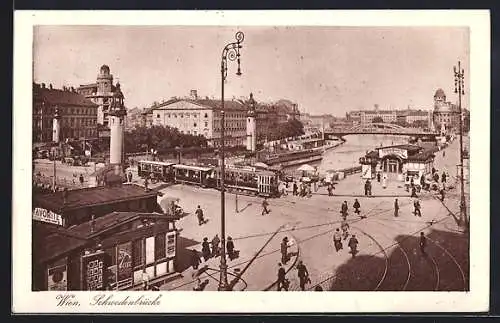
(124,265)
(93,271)
(47,216)
(57,278)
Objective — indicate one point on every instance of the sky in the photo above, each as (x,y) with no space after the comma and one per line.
(326,70)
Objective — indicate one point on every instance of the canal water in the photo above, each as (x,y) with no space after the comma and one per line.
(348,154)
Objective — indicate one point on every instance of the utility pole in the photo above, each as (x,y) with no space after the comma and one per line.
(459,88)
(232,52)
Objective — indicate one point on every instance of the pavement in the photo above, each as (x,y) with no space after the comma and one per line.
(389,256)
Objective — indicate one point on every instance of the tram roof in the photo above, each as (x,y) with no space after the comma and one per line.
(159,163)
(248,171)
(189,167)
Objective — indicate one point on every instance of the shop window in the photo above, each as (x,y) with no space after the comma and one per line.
(171,244)
(138,254)
(160,247)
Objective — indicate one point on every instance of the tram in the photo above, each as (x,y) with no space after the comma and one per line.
(250,181)
(156,170)
(195,175)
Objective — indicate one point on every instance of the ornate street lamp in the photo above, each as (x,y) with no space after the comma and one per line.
(459,88)
(230,52)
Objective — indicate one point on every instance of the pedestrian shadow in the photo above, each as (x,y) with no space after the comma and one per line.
(443,266)
(184,253)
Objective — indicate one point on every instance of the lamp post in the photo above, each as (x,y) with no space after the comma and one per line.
(232,52)
(459,88)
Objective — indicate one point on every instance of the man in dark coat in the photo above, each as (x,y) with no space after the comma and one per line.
(353,244)
(199,215)
(356,206)
(281,282)
(367,187)
(378,177)
(443,177)
(215,246)
(284,250)
(396,208)
(422,243)
(344,209)
(303,275)
(195,259)
(416,206)
(295,188)
(337,240)
(205,249)
(265,204)
(230,248)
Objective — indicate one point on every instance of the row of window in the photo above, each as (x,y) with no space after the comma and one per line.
(182,115)
(153,249)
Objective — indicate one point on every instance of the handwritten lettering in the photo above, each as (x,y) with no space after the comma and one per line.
(113,300)
(67,300)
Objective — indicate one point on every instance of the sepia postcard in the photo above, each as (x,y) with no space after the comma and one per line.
(251,161)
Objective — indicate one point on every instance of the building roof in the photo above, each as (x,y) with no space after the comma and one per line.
(91,197)
(408,147)
(51,242)
(90,85)
(439,93)
(422,156)
(63,98)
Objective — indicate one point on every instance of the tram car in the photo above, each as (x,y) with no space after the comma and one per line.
(251,181)
(156,170)
(194,175)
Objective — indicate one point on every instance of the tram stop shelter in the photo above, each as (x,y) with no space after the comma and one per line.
(114,252)
(74,207)
(398,161)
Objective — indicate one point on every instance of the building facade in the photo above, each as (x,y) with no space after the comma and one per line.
(101,93)
(77,115)
(196,116)
(403,117)
(446,115)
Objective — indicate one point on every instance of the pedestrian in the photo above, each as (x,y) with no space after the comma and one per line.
(345,229)
(396,208)
(284,250)
(378,177)
(443,177)
(366,188)
(199,215)
(353,244)
(423,243)
(230,248)
(416,206)
(146,183)
(337,240)
(369,187)
(442,192)
(384,181)
(205,249)
(145,279)
(356,206)
(436,177)
(215,246)
(195,259)
(330,189)
(303,275)
(295,188)
(81,179)
(130,177)
(265,204)
(343,210)
(281,282)
(413,191)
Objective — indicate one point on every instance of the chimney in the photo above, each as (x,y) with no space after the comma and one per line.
(193,95)
(92,224)
(43,85)
(50,86)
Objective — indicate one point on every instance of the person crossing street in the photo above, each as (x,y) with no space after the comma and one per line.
(284,250)
(282,281)
(344,210)
(396,208)
(337,240)
(416,206)
(345,229)
(303,275)
(265,204)
(199,215)
(422,243)
(215,246)
(353,244)
(356,207)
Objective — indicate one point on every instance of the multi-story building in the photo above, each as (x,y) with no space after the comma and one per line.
(196,116)
(446,114)
(409,116)
(133,118)
(101,93)
(78,115)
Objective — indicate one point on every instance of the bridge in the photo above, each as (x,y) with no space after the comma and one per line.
(379,129)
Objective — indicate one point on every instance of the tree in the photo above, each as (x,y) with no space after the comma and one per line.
(378,119)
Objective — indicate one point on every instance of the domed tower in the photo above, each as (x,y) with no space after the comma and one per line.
(439,98)
(56,126)
(117,113)
(104,94)
(251,125)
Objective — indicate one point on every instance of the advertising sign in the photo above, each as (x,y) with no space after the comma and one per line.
(93,269)
(124,264)
(366,171)
(402,153)
(57,278)
(47,216)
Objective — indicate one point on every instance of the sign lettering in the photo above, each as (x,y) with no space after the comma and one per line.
(47,216)
(393,151)
(124,263)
